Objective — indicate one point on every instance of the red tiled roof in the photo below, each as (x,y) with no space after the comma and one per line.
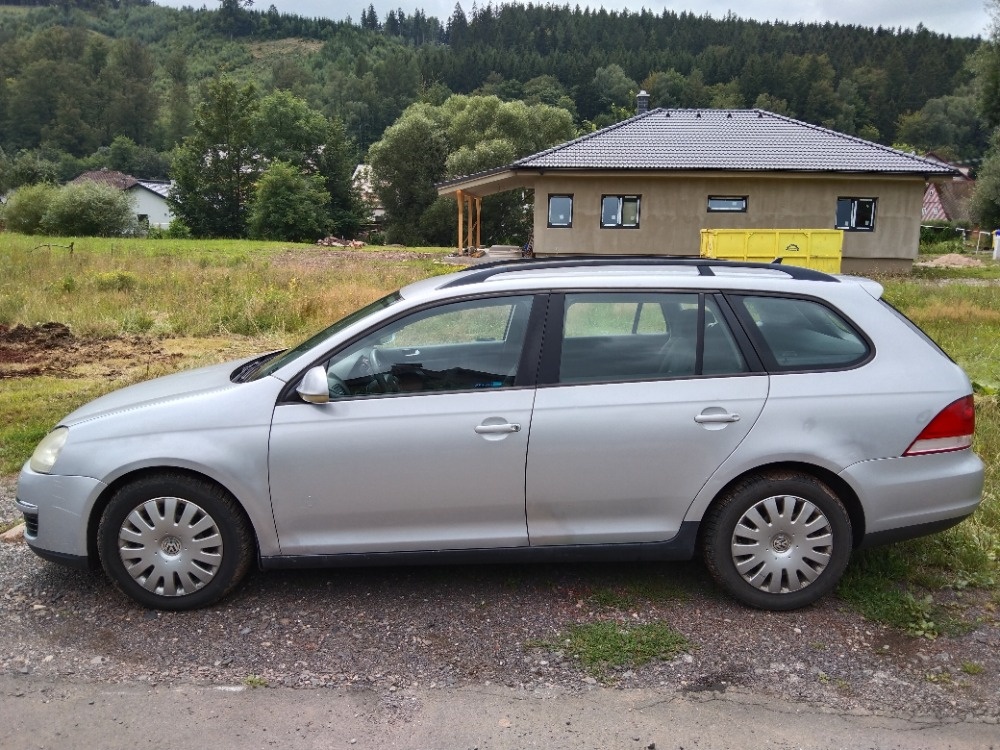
(110,177)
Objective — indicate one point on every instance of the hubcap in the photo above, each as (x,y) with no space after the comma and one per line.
(782,544)
(170,546)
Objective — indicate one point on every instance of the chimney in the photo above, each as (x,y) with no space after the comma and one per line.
(642,103)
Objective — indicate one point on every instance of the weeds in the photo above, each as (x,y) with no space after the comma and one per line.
(603,645)
(972,668)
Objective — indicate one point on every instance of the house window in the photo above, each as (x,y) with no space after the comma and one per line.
(620,211)
(727,203)
(856,214)
(560,210)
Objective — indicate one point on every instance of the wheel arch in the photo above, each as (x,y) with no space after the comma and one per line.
(93,556)
(843,490)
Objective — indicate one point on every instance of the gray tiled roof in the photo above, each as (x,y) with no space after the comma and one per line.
(731,140)
(160,187)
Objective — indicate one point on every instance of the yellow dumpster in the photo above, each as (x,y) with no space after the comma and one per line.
(819,249)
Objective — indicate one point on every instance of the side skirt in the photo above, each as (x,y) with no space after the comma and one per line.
(681,547)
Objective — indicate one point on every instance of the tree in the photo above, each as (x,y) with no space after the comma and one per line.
(216,167)
(237,135)
(465,134)
(124,155)
(614,88)
(178,115)
(947,123)
(288,205)
(287,129)
(405,164)
(665,89)
(233,17)
(6,172)
(130,101)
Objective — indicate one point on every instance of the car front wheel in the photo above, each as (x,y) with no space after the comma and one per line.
(174,542)
(778,540)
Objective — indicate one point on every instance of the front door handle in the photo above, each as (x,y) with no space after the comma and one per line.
(716,418)
(498,429)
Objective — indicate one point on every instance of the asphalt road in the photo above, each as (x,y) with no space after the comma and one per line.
(38,713)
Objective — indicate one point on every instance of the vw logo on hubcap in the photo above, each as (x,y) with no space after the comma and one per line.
(171,545)
(781,543)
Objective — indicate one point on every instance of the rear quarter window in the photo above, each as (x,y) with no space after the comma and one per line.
(802,334)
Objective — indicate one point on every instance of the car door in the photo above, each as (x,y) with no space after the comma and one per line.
(422,445)
(627,428)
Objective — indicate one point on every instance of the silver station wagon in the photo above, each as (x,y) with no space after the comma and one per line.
(767,417)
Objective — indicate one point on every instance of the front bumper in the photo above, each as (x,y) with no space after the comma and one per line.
(57,511)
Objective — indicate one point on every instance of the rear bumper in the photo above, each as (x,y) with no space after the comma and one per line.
(914,496)
(908,532)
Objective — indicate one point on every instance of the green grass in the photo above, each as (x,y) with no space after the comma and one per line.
(603,645)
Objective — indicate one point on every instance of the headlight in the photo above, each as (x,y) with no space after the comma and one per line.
(45,455)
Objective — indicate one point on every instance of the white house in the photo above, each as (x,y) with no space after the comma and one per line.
(150,196)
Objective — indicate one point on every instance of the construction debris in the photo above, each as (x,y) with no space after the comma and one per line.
(332,241)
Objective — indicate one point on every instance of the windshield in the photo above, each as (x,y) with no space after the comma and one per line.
(273,364)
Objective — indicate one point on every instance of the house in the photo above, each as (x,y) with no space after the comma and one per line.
(362,182)
(950,200)
(150,196)
(650,184)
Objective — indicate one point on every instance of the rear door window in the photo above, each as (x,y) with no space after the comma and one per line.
(625,336)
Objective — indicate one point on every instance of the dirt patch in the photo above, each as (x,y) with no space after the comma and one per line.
(951,260)
(52,349)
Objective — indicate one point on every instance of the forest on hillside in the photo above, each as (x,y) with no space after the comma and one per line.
(117,83)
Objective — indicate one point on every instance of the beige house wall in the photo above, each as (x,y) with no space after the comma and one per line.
(674,209)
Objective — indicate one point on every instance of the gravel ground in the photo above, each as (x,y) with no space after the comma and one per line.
(394,629)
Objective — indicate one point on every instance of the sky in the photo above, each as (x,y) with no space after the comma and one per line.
(955,17)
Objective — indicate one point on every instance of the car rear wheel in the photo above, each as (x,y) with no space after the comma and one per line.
(778,540)
(174,542)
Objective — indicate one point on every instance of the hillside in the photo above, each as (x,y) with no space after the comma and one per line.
(75,75)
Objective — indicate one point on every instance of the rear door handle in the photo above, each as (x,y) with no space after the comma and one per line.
(716,418)
(497,429)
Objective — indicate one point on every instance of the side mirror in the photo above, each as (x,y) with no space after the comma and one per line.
(314,389)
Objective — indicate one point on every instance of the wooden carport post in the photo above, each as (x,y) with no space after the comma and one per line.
(476,209)
(470,209)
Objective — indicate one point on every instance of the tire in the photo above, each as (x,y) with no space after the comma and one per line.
(174,542)
(778,540)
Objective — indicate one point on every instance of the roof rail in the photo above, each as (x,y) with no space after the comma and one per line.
(484,271)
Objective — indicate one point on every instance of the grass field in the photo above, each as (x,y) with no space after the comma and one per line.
(201,302)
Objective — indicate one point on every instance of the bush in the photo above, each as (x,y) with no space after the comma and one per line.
(89,209)
(288,205)
(935,231)
(26,207)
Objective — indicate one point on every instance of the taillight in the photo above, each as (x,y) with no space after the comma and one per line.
(950,430)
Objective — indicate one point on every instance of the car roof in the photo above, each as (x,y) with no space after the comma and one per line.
(597,272)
